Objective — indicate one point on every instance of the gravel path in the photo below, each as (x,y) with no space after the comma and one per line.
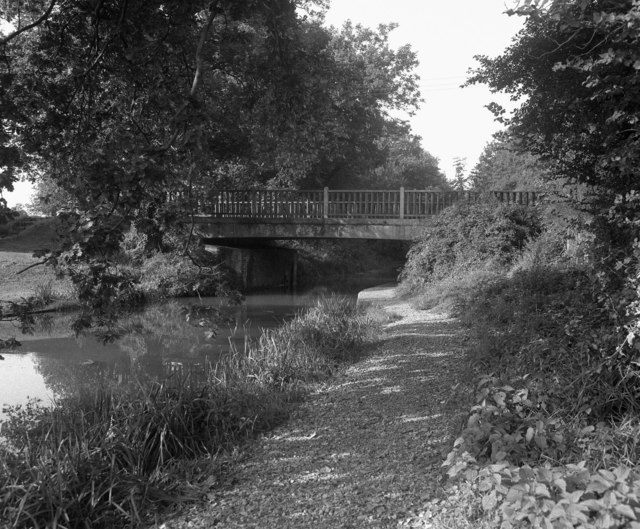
(365,450)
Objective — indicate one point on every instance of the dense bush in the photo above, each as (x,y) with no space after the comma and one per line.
(469,236)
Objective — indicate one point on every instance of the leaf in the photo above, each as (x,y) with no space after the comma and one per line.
(557,512)
(561,484)
(625,510)
(529,435)
(499,398)
(489,501)
(514,494)
(542,490)
(597,484)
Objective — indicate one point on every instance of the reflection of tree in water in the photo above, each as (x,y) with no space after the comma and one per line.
(64,378)
(170,333)
(161,341)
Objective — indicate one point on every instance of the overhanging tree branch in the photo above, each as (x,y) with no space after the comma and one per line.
(18,31)
(196,77)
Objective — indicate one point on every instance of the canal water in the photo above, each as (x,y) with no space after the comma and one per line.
(179,335)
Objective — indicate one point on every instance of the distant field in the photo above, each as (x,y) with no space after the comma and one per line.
(16,251)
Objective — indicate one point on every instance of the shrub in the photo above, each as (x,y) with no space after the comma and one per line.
(517,465)
(470,235)
(173,275)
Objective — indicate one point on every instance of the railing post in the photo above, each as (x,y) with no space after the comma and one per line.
(326,203)
(402,202)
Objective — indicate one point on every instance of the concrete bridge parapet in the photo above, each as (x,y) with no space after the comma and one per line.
(211,228)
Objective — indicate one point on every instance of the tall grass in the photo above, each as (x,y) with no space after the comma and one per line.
(107,458)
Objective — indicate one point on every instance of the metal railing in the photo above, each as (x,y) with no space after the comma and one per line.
(343,204)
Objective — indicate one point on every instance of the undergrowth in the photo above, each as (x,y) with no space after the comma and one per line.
(552,437)
(111,456)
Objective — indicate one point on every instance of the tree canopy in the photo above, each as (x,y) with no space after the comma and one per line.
(575,69)
(502,166)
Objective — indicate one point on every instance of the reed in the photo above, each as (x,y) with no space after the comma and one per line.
(109,457)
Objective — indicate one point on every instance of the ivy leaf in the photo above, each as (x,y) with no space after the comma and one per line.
(625,510)
(499,398)
(489,501)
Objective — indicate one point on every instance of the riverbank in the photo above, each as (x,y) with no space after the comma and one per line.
(111,453)
(364,449)
(20,277)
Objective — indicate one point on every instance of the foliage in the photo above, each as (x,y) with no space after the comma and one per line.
(553,430)
(111,455)
(406,164)
(502,465)
(501,166)
(466,235)
(172,275)
(49,198)
(459,178)
(575,68)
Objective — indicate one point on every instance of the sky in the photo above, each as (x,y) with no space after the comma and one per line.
(446,34)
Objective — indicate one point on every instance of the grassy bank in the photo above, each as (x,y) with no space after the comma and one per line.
(552,434)
(111,457)
(19,239)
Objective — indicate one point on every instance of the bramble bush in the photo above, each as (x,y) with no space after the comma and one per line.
(467,236)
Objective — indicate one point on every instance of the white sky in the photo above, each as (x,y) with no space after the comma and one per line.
(446,34)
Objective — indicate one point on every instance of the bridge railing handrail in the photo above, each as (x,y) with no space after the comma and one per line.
(343,203)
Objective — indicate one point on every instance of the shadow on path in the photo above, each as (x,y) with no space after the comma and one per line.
(364,451)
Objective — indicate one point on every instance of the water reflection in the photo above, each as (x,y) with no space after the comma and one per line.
(175,336)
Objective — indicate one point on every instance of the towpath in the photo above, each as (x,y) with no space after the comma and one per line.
(364,450)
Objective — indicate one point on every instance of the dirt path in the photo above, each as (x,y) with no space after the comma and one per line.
(362,452)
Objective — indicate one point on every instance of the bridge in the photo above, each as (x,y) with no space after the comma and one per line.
(268,214)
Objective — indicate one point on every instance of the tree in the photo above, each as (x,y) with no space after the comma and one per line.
(459,179)
(575,68)
(502,167)
(405,164)
(124,103)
